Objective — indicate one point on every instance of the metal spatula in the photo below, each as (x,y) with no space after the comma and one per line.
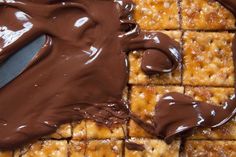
(16,64)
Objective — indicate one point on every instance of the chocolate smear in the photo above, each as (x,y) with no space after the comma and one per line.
(229,4)
(82,70)
(134,146)
(177,113)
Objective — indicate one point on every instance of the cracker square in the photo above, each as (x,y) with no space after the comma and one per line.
(98,131)
(137,76)
(77,148)
(136,131)
(143,101)
(210,148)
(79,130)
(214,96)
(44,148)
(157,14)
(104,148)
(88,129)
(154,148)
(206,15)
(6,154)
(208,59)
(63,132)
(224,132)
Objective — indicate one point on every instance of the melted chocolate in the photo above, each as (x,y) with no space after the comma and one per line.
(134,146)
(174,120)
(81,71)
(177,113)
(229,4)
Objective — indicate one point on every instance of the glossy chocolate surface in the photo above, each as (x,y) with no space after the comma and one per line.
(82,70)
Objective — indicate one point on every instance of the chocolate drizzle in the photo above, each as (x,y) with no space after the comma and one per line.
(196,114)
(82,70)
(134,146)
(176,114)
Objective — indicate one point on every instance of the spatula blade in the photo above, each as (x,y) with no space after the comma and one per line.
(16,64)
